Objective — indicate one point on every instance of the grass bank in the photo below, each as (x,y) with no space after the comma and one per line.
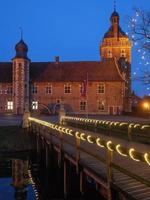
(15,139)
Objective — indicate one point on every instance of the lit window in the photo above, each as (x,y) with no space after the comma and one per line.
(83,105)
(48,89)
(67,89)
(9,105)
(101,88)
(35,105)
(34,89)
(101,105)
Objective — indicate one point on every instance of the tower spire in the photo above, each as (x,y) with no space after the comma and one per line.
(21,32)
(114,5)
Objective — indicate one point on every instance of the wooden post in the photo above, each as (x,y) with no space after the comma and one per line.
(25,120)
(129,132)
(37,144)
(109,173)
(109,128)
(47,155)
(65,179)
(81,182)
(77,154)
(61,114)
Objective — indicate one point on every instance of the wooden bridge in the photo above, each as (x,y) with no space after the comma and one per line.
(86,153)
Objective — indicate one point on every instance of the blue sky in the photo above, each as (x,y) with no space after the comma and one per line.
(71,29)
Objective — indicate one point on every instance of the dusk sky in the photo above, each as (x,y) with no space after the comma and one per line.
(71,29)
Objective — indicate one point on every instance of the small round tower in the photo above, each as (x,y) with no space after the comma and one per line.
(21,64)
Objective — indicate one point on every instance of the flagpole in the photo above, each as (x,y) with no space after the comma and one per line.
(87,109)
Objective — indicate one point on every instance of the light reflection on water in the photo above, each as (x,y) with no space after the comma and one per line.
(14,180)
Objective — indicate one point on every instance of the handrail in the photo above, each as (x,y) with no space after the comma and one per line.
(130,131)
(99,141)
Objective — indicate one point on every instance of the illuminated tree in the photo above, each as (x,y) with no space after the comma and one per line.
(140,28)
(140,34)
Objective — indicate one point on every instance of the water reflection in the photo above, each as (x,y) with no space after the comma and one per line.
(14,180)
(20,178)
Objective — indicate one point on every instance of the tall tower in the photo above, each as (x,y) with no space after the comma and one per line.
(21,78)
(116,44)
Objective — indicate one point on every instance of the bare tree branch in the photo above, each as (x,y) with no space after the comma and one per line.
(140,33)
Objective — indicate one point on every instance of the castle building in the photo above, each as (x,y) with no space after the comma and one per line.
(94,87)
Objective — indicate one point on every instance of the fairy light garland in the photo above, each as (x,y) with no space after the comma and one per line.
(144,61)
(92,140)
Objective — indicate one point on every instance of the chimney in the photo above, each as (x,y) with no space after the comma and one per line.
(56,59)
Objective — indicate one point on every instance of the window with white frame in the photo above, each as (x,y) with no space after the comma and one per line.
(34,105)
(34,89)
(101,105)
(67,89)
(48,89)
(9,105)
(101,88)
(82,105)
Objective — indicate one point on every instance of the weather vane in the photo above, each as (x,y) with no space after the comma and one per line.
(21,32)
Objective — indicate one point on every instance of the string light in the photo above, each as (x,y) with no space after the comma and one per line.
(92,140)
(98,143)
(119,151)
(82,136)
(108,145)
(131,153)
(77,135)
(146,158)
(89,139)
(140,73)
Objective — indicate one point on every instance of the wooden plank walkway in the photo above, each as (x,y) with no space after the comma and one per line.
(130,177)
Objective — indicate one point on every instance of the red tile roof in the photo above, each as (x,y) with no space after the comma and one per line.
(5,72)
(106,70)
(75,71)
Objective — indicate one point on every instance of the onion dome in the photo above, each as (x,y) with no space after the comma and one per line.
(115,14)
(115,28)
(21,50)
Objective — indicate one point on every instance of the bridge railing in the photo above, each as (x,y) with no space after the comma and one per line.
(124,130)
(101,141)
(64,134)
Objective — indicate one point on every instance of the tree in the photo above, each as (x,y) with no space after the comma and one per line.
(140,34)
(140,28)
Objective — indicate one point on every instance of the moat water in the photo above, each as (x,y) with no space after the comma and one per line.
(22,178)
(16,182)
